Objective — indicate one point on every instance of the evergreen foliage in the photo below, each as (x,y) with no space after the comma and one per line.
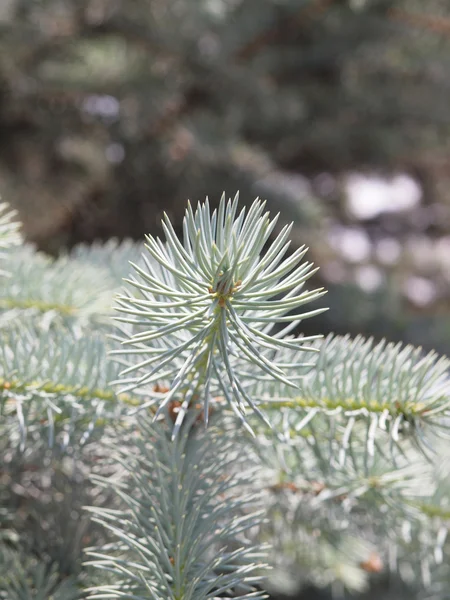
(344,480)
(207,307)
(184,533)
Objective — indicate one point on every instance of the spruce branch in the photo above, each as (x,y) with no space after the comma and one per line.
(317,507)
(353,424)
(182,533)
(364,389)
(56,383)
(47,289)
(30,578)
(203,308)
(360,436)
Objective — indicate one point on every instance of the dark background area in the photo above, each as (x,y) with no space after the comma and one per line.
(337,112)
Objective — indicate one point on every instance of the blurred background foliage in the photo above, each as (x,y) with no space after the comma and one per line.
(336,111)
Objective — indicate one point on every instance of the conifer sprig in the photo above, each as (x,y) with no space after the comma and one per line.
(365,389)
(55,384)
(31,578)
(182,532)
(203,308)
